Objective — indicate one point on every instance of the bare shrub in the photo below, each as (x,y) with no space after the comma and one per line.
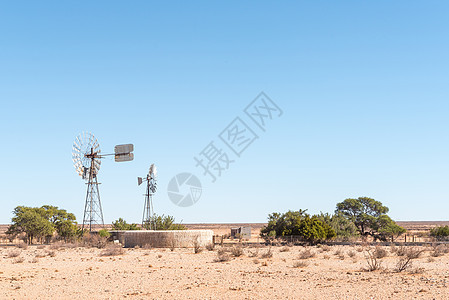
(18,260)
(300,264)
(40,247)
(417,271)
(222,256)
(352,253)
(256,261)
(338,252)
(401,251)
(341,257)
(94,240)
(22,245)
(254,253)
(284,249)
(55,246)
(210,247)
(112,250)
(51,253)
(14,253)
(35,260)
(372,260)
(197,247)
(431,260)
(326,256)
(40,254)
(306,254)
(380,252)
(237,251)
(439,250)
(267,254)
(405,262)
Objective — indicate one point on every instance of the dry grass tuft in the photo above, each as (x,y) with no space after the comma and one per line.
(380,252)
(300,264)
(352,254)
(210,247)
(18,260)
(14,253)
(306,254)
(222,256)
(35,260)
(22,245)
(267,254)
(237,251)
(112,250)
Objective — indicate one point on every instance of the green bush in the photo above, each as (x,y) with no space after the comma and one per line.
(297,223)
(121,224)
(343,227)
(440,232)
(104,233)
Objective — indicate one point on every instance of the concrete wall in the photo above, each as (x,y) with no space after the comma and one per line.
(163,238)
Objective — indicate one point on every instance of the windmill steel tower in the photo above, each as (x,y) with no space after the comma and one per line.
(148,210)
(86,157)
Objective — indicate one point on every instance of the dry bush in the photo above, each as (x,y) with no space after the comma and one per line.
(18,260)
(254,253)
(338,252)
(237,251)
(284,249)
(439,250)
(14,253)
(326,256)
(22,245)
(147,247)
(35,260)
(210,247)
(256,261)
(341,257)
(70,245)
(417,271)
(40,254)
(222,256)
(94,240)
(51,253)
(55,246)
(431,260)
(171,243)
(352,254)
(112,250)
(405,262)
(372,260)
(197,247)
(359,249)
(40,247)
(267,254)
(306,254)
(393,249)
(380,252)
(300,264)
(401,251)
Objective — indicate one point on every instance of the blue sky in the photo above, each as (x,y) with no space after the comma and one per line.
(363,87)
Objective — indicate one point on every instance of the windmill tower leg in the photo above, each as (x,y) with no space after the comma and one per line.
(93,213)
(147,211)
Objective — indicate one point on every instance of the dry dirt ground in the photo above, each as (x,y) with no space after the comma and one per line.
(82,273)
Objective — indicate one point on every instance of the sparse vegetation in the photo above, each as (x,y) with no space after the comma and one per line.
(306,254)
(300,264)
(405,262)
(121,224)
(210,247)
(197,247)
(222,256)
(14,253)
(267,254)
(112,250)
(440,232)
(439,250)
(18,260)
(380,252)
(351,253)
(373,261)
(237,251)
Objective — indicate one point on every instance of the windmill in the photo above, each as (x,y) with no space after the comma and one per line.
(86,157)
(151,189)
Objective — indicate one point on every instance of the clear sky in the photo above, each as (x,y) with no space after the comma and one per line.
(363,86)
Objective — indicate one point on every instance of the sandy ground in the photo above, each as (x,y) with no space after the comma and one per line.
(81,273)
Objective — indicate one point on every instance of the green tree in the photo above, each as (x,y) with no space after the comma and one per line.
(165,223)
(121,224)
(440,232)
(297,223)
(41,222)
(343,227)
(369,216)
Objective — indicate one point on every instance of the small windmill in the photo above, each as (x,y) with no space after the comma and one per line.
(151,189)
(86,156)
